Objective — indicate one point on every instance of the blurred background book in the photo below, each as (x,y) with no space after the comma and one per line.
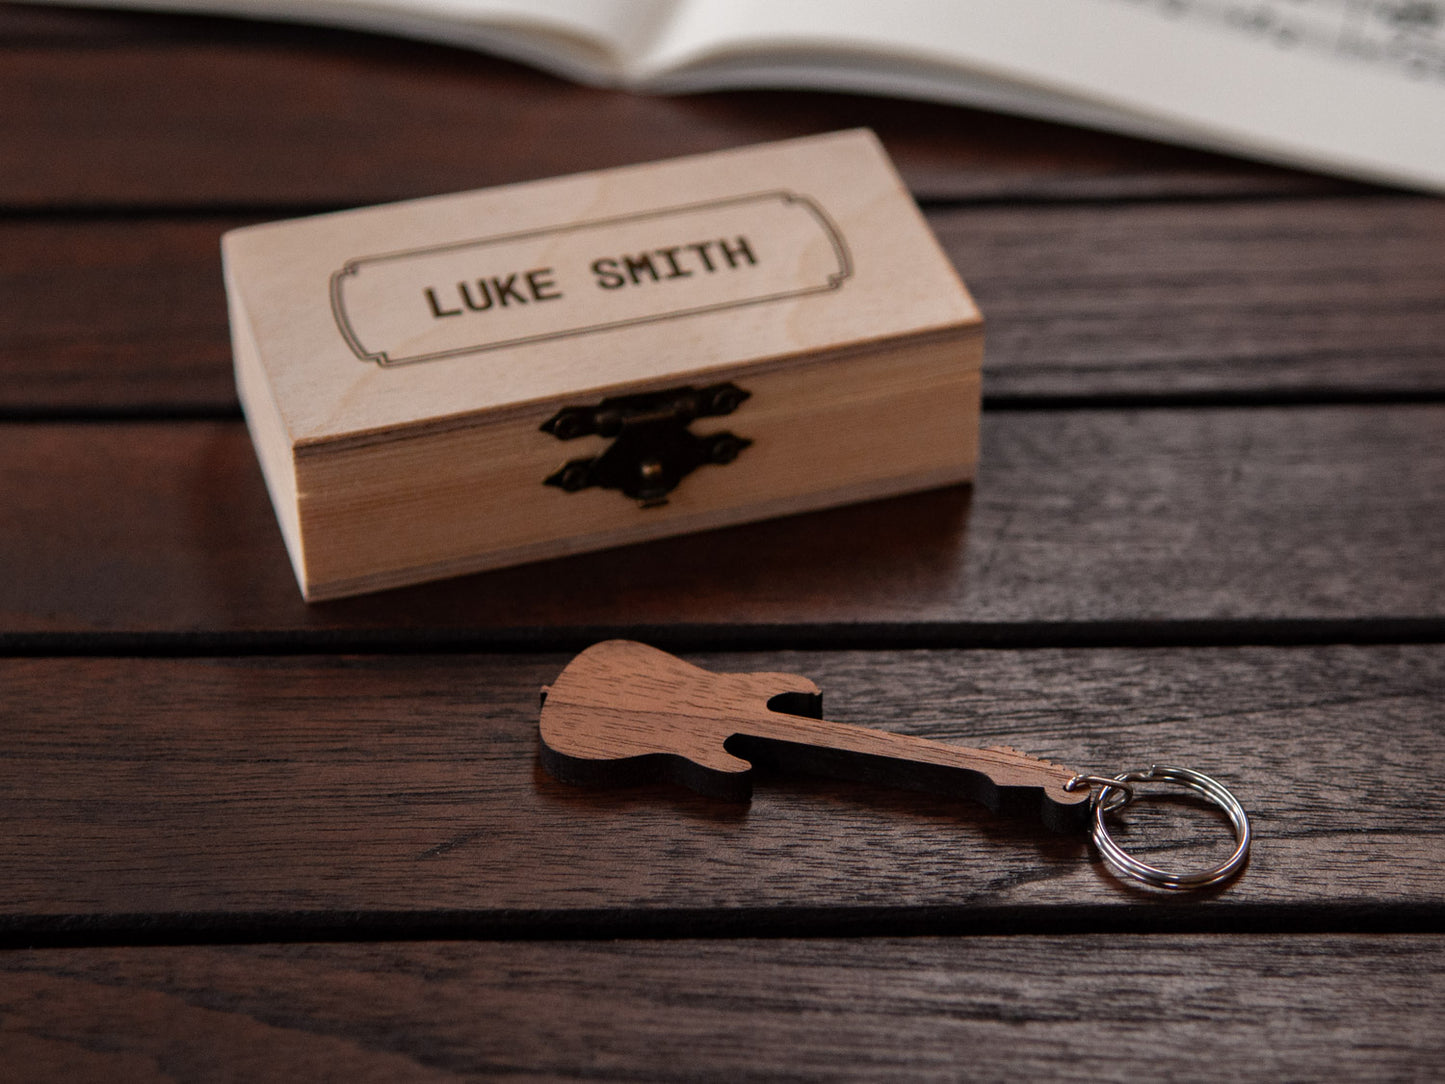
(1350,87)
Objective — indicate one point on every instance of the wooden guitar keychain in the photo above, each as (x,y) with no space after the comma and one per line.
(623,712)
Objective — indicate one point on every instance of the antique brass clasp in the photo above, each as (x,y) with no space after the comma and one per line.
(652,448)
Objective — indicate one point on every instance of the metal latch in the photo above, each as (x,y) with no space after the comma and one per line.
(652,449)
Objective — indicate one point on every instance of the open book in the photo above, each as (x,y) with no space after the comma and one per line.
(1355,87)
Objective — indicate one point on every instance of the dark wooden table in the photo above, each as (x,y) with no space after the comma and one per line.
(244,838)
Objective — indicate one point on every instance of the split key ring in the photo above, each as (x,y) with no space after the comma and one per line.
(1118,791)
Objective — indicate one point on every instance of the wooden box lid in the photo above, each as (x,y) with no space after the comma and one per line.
(380,351)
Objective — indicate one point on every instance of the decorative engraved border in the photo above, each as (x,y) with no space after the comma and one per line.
(352,266)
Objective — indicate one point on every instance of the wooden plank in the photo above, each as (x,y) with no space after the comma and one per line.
(1273,299)
(264,797)
(243,114)
(1299,298)
(1237,1008)
(48,24)
(1081,516)
(114,315)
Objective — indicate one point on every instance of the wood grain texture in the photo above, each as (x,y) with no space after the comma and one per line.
(625,712)
(260,798)
(156,111)
(1279,298)
(113,315)
(1077,516)
(990,1009)
(801,270)
(779,254)
(394,795)
(1294,298)
(814,433)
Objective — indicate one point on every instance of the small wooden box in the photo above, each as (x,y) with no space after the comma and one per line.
(469,381)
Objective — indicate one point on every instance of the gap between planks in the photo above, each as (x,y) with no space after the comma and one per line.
(1014,403)
(267,211)
(706,924)
(863,636)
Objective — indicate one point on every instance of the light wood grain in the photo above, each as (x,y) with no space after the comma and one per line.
(369,796)
(1077,518)
(843,261)
(989,1009)
(455,499)
(399,417)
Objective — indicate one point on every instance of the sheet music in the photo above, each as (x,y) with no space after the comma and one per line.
(1404,37)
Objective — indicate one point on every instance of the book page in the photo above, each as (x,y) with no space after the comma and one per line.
(587,40)
(1352,86)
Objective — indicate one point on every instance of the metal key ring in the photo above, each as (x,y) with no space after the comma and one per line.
(1124,863)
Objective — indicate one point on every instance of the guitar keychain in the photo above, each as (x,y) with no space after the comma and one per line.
(622,712)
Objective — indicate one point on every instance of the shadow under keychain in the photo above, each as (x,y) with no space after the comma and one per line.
(622,712)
